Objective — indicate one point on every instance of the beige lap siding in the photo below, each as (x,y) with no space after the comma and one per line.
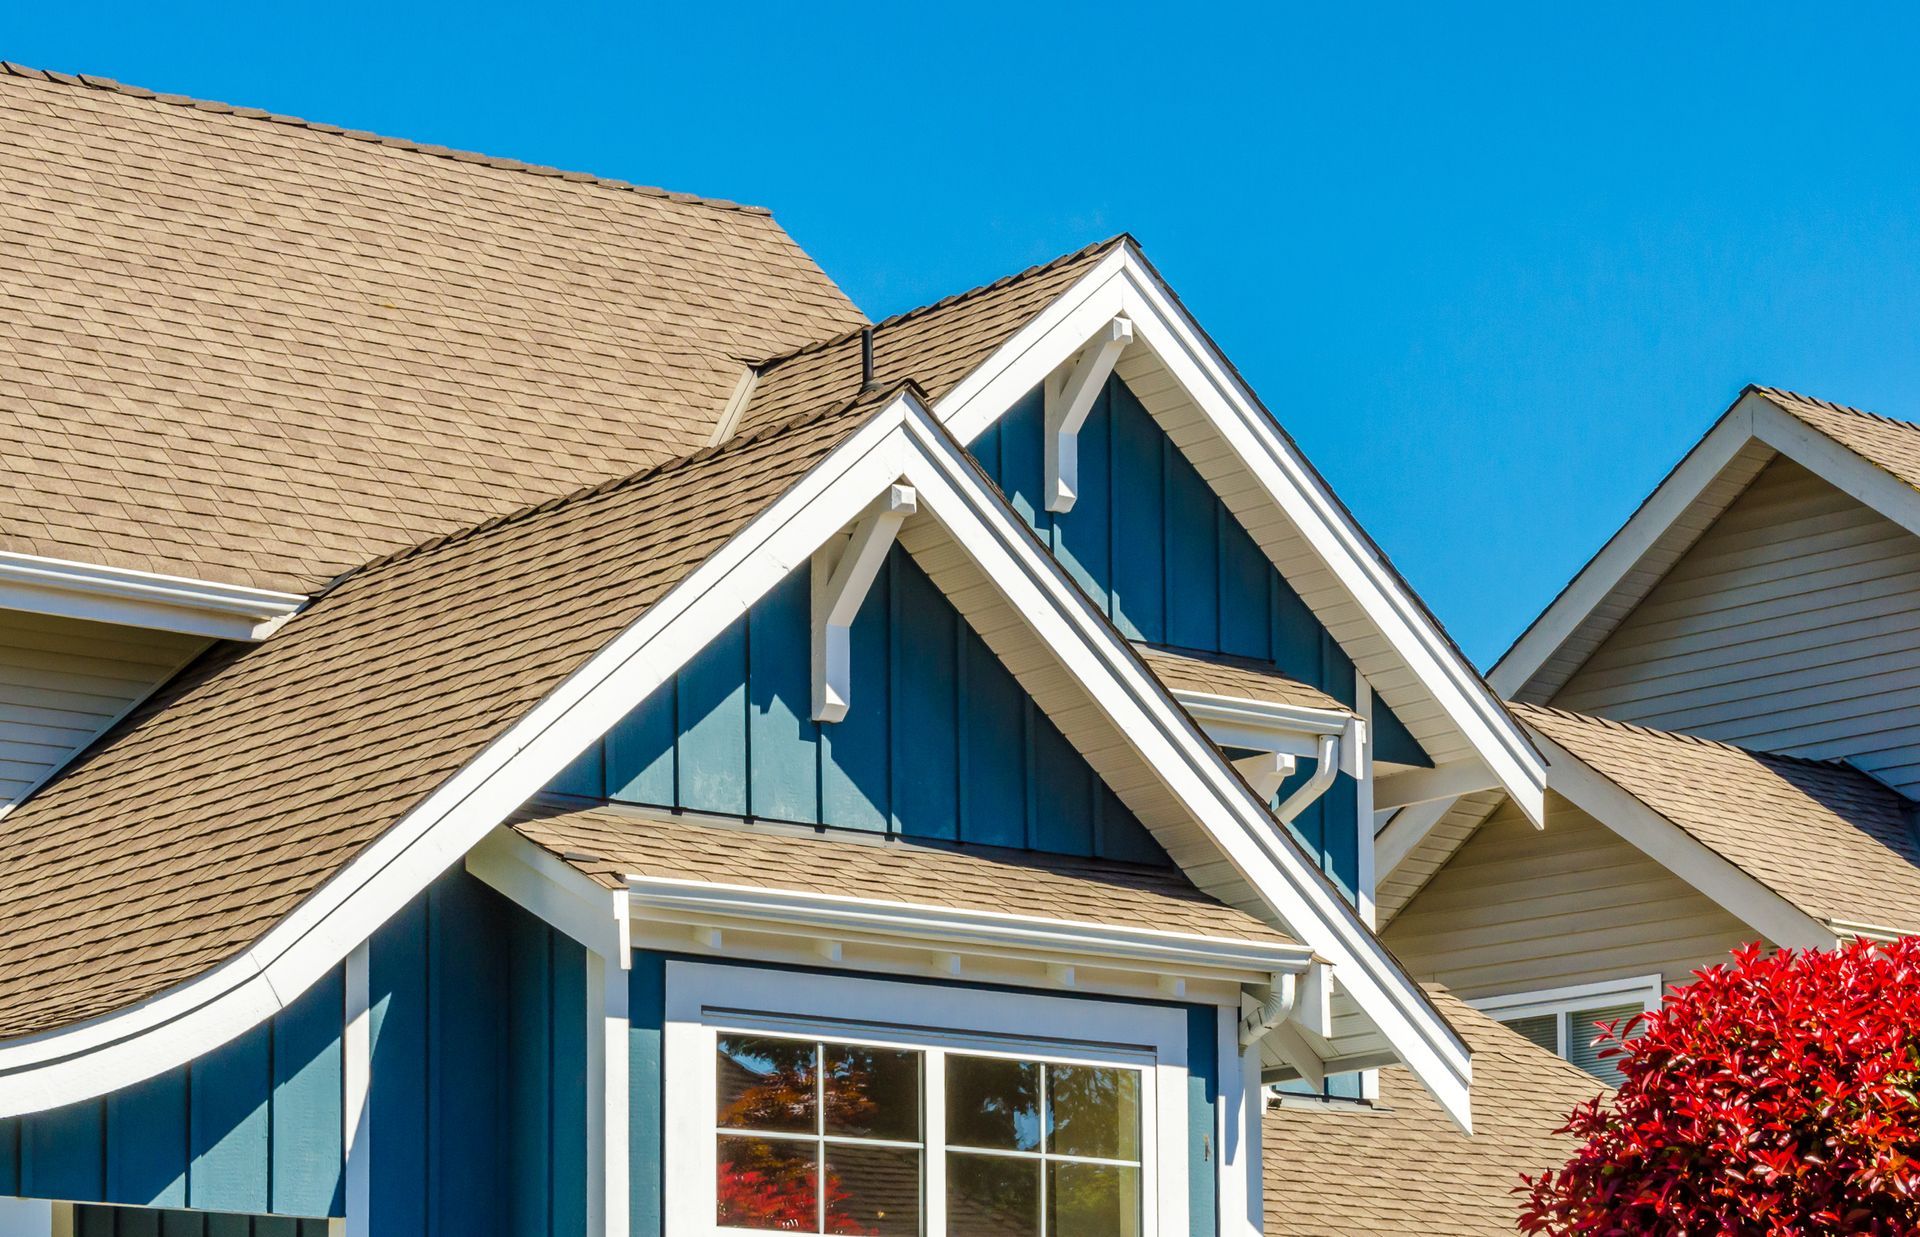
(1519,909)
(63,681)
(1792,626)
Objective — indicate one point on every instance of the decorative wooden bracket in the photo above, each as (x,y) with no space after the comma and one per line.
(1069,400)
(841,579)
(1265,771)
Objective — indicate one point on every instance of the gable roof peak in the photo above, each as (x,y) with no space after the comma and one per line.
(91,81)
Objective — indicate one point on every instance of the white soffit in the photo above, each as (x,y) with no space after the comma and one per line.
(1201,403)
(1667,524)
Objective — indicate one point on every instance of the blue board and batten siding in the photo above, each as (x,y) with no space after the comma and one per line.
(646,1111)
(940,740)
(479,1070)
(478,1099)
(253,1126)
(1170,564)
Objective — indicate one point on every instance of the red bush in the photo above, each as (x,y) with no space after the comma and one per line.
(1774,1095)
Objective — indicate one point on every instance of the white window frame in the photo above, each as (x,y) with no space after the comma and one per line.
(1561,1002)
(705,999)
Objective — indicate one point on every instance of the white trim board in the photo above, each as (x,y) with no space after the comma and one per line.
(1666,525)
(899,442)
(141,598)
(1122,285)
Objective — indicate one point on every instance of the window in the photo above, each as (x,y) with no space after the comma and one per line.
(815,1136)
(1567,1021)
(814,1123)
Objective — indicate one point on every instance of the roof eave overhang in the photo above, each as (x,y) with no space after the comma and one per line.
(1123,284)
(123,596)
(1687,496)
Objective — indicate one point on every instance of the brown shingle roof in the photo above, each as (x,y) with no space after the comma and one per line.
(1217,674)
(1823,835)
(1891,445)
(936,345)
(1401,1167)
(242,786)
(612,843)
(256,350)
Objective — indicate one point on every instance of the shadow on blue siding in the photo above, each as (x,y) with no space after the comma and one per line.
(940,741)
(479,1070)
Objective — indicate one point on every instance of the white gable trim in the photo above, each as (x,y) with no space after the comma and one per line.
(1753,419)
(1686,856)
(900,442)
(131,598)
(1122,285)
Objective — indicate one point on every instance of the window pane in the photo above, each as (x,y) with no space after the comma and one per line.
(1542,1029)
(1583,1028)
(873,1092)
(1093,1111)
(1092,1200)
(766,1084)
(993,1103)
(992,1196)
(768,1184)
(873,1190)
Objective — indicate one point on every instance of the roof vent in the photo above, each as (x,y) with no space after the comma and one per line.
(867,382)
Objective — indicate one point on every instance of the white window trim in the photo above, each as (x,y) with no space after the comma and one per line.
(1563,1001)
(703,998)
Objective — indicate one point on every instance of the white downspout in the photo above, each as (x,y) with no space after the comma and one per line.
(1272,1011)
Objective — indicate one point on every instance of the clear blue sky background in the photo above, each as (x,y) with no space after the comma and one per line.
(1494,267)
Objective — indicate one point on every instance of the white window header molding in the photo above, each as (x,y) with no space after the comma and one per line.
(1645,989)
(832,923)
(142,599)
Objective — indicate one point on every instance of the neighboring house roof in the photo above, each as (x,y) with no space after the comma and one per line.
(210,813)
(1237,678)
(935,345)
(1873,458)
(1882,441)
(610,844)
(1829,839)
(1398,1166)
(255,350)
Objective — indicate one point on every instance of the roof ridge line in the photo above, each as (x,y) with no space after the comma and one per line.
(821,345)
(599,489)
(452,154)
(1831,406)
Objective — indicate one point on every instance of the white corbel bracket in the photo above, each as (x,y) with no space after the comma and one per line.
(841,578)
(1265,771)
(1069,400)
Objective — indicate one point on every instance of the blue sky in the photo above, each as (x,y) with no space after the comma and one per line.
(1495,266)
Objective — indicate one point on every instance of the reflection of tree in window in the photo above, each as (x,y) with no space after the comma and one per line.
(820,1148)
(1042,1149)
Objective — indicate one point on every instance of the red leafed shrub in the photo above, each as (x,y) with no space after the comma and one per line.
(1772,1096)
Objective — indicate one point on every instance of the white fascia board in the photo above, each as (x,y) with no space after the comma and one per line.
(1169,741)
(835,917)
(167,1030)
(1753,418)
(1121,285)
(1687,857)
(141,598)
(899,443)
